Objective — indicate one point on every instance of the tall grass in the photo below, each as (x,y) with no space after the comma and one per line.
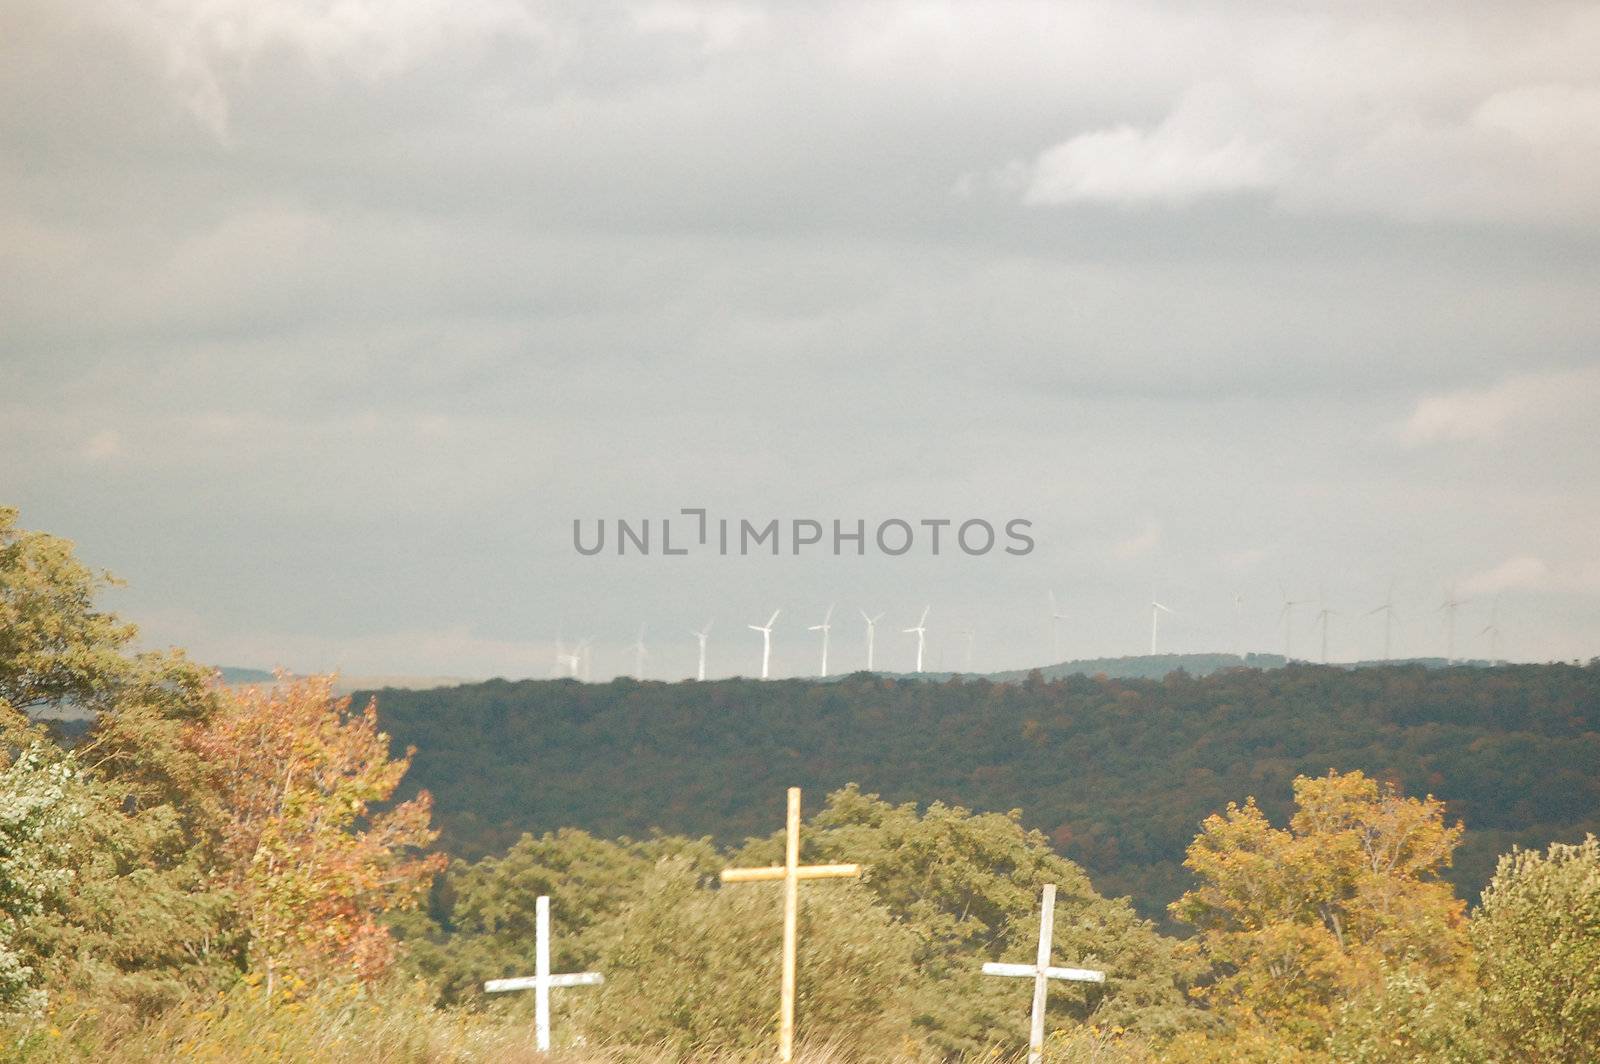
(354,1024)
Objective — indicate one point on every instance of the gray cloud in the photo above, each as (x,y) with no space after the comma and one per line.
(320,322)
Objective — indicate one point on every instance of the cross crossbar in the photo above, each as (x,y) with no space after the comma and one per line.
(776,872)
(1028,971)
(531,982)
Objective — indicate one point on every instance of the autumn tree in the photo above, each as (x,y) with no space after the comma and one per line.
(125,917)
(1296,920)
(308,850)
(1538,932)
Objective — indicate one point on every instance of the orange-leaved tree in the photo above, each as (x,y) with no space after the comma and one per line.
(1294,921)
(311,859)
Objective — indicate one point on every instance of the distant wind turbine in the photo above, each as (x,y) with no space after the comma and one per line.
(921,631)
(766,642)
(1387,609)
(702,635)
(825,627)
(1323,615)
(639,654)
(584,653)
(1156,610)
(872,628)
(1450,605)
(566,659)
(1238,624)
(1056,617)
(1286,615)
(1492,630)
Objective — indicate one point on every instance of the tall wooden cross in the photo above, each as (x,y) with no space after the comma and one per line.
(541,982)
(791,872)
(1041,972)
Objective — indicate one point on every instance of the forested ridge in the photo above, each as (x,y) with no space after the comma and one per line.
(1117,773)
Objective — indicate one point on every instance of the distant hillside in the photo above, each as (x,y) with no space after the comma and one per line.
(1158,666)
(1146,666)
(234,674)
(1118,772)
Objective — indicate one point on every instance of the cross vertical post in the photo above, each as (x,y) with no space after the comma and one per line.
(791,926)
(1041,985)
(791,872)
(541,971)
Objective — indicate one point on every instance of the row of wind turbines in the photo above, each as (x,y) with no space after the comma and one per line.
(1322,619)
(576,661)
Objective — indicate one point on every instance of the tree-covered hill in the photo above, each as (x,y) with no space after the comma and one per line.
(1119,773)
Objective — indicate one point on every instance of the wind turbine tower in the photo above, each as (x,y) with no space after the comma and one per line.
(702,635)
(1492,630)
(566,659)
(766,642)
(639,654)
(1156,610)
(1286,615)
(825,627)
(1387,609)
(921,631)
(1238,625)
(872,628)
(1450,605)
(1323,616)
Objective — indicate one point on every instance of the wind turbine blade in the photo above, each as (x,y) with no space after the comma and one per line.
(773,617)
(924,618)
(826,617)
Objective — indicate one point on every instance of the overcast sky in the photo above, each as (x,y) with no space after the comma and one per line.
(320,322)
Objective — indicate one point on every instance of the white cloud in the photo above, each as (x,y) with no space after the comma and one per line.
(1198,151)
(207,46)
(1486,413)
(1515,574)
(719,27)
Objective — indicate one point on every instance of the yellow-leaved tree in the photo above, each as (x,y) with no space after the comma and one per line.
(311,858)
(1295,921)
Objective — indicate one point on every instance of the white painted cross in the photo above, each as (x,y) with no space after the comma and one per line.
(1041,972)
(541,982)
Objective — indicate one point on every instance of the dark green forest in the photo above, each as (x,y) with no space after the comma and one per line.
(1117,773)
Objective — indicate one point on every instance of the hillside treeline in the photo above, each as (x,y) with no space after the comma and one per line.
(1118,774)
